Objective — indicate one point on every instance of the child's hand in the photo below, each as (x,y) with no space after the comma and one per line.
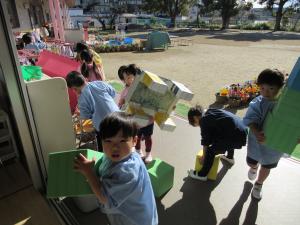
(201,160)
(76,112)
(260,136)
(83,165)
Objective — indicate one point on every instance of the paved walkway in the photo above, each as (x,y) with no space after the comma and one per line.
(226,201)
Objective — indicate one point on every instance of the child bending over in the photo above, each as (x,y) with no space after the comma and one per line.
(221,132)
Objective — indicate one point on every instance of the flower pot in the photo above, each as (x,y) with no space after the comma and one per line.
(234,102)
(221,99)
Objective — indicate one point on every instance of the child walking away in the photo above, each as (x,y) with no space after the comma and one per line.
(95,101)
(89,69)
(221,132)
(127,75)
(269,82)
(123,187)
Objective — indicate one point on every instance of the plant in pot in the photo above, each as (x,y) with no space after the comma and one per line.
(234,94)
(222,96)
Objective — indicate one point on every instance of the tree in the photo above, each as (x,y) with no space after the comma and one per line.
(281,10)
(204,7)
(252,17)
(228,9)
(172,8)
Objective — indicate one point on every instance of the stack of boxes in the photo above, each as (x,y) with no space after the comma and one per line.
(282,127)
(151,96)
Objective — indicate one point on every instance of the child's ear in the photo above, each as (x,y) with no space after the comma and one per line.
(134,140)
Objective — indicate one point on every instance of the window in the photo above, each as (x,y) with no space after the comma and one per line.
(12,13)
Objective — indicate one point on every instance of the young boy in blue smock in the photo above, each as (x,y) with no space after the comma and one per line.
(123,187)
(269,81)
(95,100)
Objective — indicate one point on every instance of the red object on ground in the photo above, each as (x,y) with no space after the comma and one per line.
(55,65)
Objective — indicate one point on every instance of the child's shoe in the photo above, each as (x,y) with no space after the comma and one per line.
(257,191)
(252,173)
(148,158)
(194,174)
(230,161)
(140,152)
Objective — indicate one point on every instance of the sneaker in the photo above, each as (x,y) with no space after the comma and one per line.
(140,152)
(193,174)
(224,157)
(252,173)
(257,191)
(148,158)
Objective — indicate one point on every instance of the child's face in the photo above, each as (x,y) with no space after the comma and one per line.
(128,79)
(269,91)
(118,147)
(77,90)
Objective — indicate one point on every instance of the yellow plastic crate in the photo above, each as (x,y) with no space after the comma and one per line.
(212,175)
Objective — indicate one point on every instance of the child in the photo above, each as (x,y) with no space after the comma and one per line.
(269,82)
(221,132)
(30,44)
(127,75)
(123,189)
(95,101)
(89,69)
(96,57)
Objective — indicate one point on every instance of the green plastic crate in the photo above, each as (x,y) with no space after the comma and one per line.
(280,134)
(161,175)
(288,104)
(63,180)
(296,152)
(31,72)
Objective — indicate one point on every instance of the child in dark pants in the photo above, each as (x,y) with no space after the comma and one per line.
(221,132)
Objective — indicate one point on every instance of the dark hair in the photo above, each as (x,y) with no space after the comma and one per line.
(87,56)
(27,38)
(132,69)
(121,71)
(115,122)
(80,46)
(197,110)
(75,79)
(271,77)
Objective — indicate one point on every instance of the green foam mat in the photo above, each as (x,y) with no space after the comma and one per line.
(117,85)
(281,135)
(161,175)
(63,180)
(296,152)
(293,81)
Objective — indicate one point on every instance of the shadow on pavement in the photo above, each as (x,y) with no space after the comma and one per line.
(235,213)
(194,208)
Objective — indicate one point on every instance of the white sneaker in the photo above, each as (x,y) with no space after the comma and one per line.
(140,152)
(224,157)
(193,174)
(148,158)
(257,191)
(252,173)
